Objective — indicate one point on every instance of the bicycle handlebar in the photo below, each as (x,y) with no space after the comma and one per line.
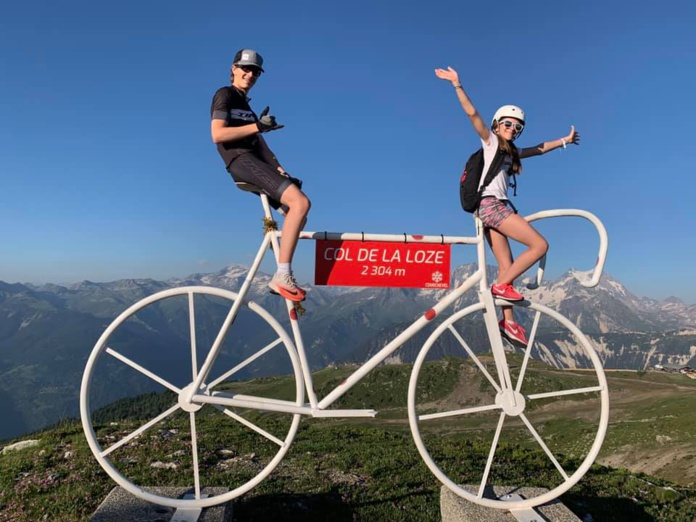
(587,278)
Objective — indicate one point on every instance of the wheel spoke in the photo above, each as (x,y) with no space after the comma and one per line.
(528,351)
(250,425)
(140,430)
(453,413)
(244,363)
(215,349)
(491,454)
(466,385)
(261,438)
(194,454)
(543,446)
(192,329)
(147,373)
(560,393)
(475,359)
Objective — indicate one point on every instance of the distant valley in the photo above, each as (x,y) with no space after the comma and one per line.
(47,332)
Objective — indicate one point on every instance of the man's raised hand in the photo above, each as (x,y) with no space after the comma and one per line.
(267,122)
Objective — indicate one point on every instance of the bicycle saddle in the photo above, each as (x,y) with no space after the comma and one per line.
(243,185)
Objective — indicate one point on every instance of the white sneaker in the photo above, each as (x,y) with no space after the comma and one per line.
(286,286)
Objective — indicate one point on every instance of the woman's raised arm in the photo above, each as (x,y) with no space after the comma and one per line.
(572,138)
(480,126)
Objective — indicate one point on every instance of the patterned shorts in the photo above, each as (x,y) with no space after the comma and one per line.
(492,212)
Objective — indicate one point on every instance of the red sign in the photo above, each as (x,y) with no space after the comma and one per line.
(376,263)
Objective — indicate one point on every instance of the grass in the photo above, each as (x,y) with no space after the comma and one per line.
(362,469)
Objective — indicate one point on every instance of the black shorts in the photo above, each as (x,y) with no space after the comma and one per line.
(252,169)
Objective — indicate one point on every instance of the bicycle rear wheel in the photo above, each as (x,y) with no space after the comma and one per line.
(134,404)
(545,432)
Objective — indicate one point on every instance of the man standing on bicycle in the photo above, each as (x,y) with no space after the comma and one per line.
(237,131)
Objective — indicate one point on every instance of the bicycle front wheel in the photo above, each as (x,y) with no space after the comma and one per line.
(140,422)
(543,433)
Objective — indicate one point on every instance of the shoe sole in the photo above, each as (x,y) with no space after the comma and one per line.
(288,296)
(512,340)
(508,299)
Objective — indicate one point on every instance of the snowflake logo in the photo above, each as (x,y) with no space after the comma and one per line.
(437,277)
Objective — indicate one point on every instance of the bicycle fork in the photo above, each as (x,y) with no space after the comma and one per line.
(491,321)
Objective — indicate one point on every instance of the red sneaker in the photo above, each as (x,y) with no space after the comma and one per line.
(286,286)
(506,292)
(514,333)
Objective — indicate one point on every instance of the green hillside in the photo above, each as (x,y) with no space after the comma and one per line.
(361,469)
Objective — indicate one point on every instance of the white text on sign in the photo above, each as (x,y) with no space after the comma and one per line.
(372,263)
(377,255)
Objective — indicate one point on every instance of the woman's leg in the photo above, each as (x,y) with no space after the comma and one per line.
(501,250)
(520,230)
(517,228)
(503,255)
(501,224)
(500,246)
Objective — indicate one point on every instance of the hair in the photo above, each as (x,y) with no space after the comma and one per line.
(232,75)
(508,147)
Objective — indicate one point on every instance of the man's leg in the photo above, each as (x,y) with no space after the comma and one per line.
(279,188)
(296,216)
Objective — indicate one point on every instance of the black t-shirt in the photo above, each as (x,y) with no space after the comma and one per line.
(232,105)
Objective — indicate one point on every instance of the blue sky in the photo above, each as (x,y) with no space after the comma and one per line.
(107,169)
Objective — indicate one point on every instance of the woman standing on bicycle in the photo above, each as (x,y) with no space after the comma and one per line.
(237,130)
(499,220)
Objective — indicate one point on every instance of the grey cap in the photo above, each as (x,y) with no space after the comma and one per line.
(248,57)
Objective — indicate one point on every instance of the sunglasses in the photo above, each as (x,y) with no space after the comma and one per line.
(507,124)
(251,69)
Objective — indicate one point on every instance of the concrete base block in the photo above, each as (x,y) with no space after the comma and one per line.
(120,506)
(456,509)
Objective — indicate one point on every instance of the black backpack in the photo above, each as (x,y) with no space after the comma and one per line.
(469,191)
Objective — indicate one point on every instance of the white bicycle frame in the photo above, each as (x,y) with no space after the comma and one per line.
(197,392)
(508,401)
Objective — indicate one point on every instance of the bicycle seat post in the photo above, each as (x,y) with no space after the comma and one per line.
(270,225)
(266,206)
(249,187)
(481,254)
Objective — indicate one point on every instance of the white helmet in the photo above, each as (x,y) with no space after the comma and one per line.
(508,111)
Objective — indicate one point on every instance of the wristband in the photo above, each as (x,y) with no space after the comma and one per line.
(563,141)
(458,86)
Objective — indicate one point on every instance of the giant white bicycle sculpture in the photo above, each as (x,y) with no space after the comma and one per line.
(253,424)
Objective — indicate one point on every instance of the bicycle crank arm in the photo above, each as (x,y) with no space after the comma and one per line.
(321,414)
(235,400)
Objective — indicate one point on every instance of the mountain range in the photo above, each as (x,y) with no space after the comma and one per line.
(48,331)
